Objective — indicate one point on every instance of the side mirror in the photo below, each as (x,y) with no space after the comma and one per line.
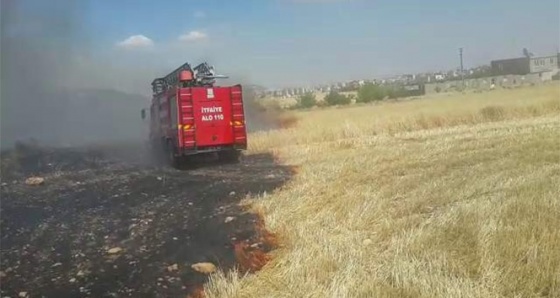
(143,113)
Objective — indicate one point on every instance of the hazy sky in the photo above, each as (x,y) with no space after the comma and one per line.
(283,42)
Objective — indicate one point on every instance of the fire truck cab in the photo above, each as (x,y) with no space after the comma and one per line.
(190,115)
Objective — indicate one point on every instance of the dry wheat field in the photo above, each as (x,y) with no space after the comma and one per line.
(447,196)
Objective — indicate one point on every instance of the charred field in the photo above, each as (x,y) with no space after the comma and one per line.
(104,223)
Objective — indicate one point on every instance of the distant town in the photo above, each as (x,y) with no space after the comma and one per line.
(540,68)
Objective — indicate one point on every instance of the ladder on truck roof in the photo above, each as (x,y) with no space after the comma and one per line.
(203,76)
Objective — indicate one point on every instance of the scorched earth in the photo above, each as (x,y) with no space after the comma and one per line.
(102,223)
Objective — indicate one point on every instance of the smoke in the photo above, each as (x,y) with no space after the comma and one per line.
(43,45)
(53,91)
(257,116)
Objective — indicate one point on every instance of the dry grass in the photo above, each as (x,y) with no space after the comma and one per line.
(441,197)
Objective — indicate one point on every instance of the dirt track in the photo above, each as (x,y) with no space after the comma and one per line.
(56,236)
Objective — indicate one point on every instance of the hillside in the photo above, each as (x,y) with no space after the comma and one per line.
(454,196)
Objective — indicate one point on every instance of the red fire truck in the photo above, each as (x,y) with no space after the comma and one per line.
(190,115)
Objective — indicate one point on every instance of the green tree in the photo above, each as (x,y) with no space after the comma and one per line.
(307,100)
(395,92)
(371,92)
(335,98)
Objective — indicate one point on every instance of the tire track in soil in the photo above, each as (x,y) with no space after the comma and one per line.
(56,236)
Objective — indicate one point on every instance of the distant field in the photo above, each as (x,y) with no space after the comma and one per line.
(450,196)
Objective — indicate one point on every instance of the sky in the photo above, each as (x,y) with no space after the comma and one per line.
(281,43)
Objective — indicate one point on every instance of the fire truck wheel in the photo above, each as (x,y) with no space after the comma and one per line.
(229,156)
(173,160)
(157,150)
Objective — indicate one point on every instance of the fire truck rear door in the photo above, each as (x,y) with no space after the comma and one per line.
(212,114)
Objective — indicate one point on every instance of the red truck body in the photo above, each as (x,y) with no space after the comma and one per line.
(187,118)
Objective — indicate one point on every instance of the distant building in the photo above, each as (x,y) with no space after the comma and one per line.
(525,65)
(439,77)
(544,64)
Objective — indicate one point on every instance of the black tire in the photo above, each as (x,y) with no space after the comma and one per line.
(172,159)
(158,152)
(229,156)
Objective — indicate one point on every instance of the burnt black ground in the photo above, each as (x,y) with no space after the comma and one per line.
(55,236)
